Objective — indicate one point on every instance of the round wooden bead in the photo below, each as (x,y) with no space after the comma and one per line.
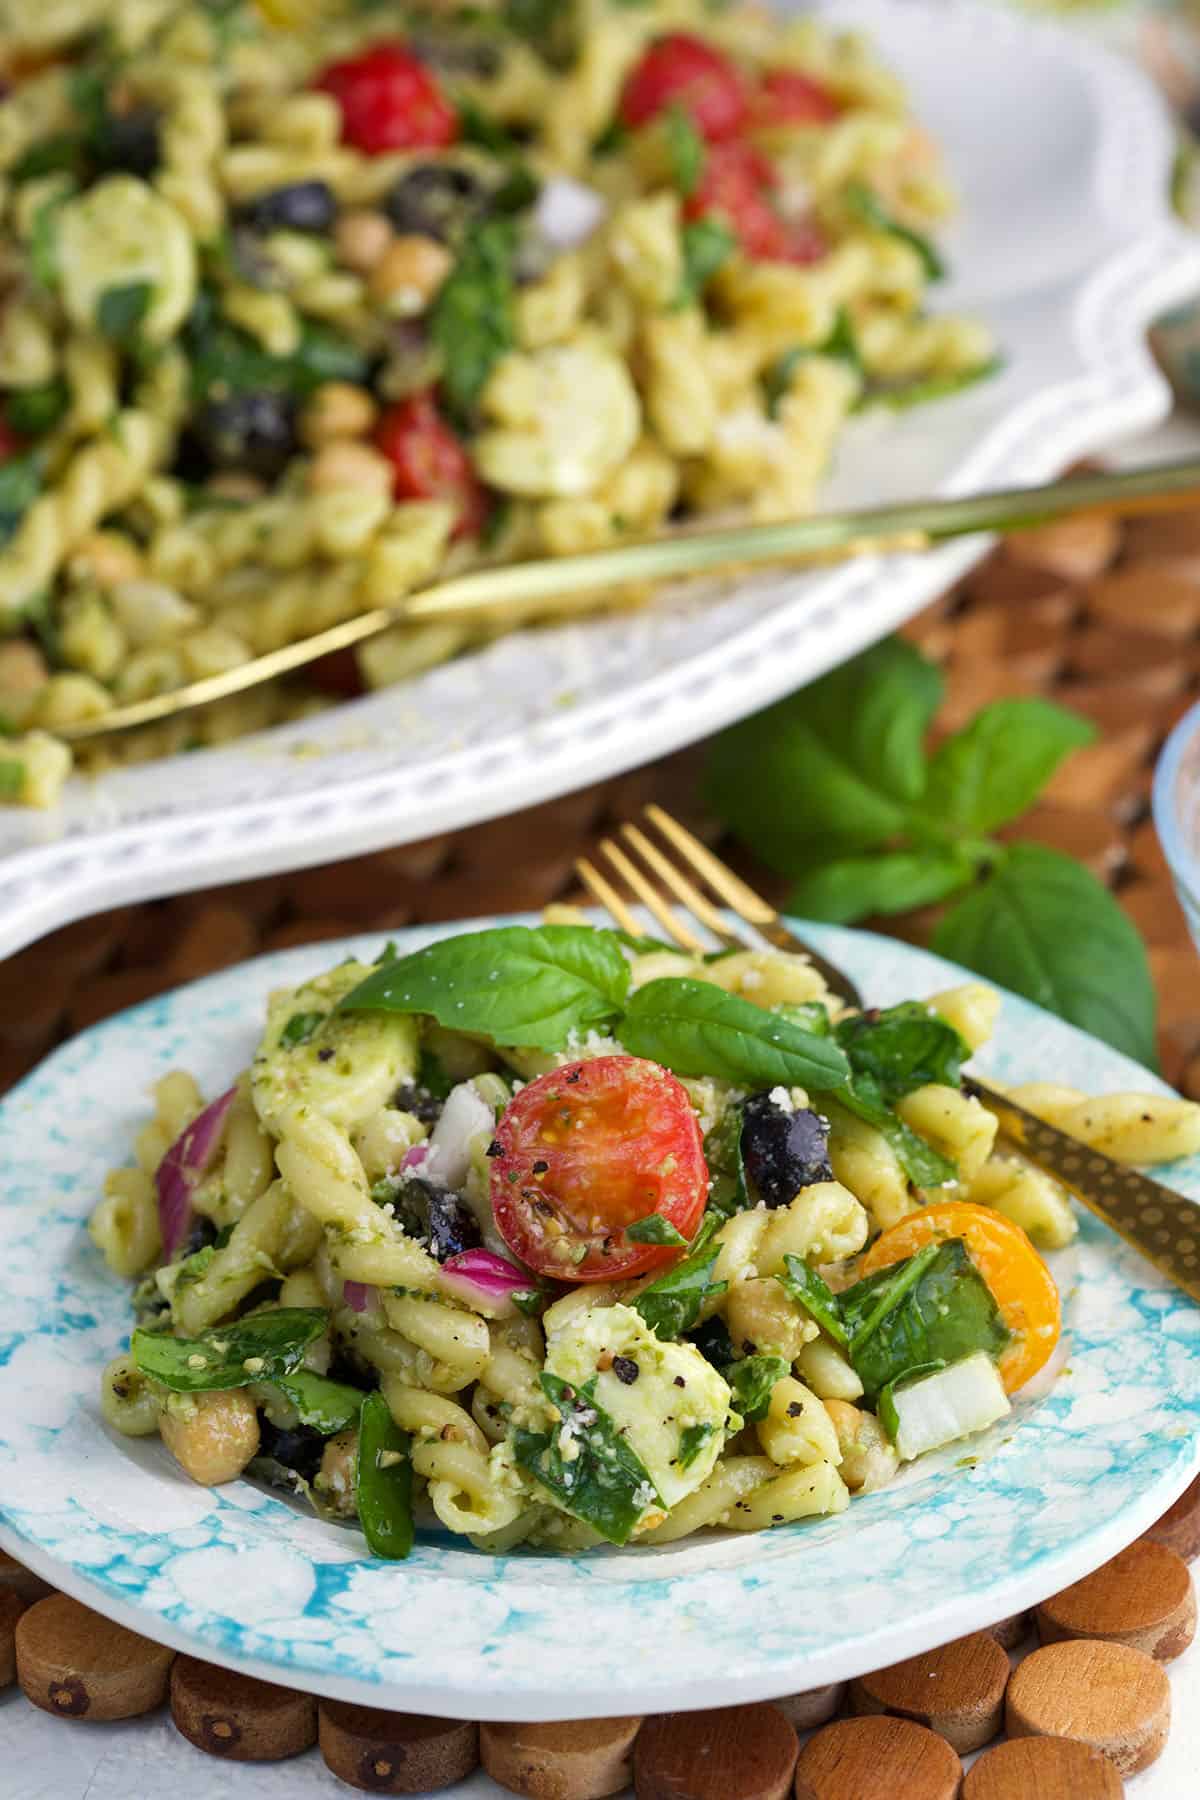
(730,1753)
(1143,1597)
(1108,1695)
(958,1690)
(12,1605)
(1008,1633)
(395,1753)
(1179,1527)
(1042,1768)
(585,1759)
(77,1665)
(816,1706)
(15,1576)
(238,1717)
(877,1758)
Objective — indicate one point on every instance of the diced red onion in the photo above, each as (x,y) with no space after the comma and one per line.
(415,1157)
(485,1281)
(184,1167)
(357,1295)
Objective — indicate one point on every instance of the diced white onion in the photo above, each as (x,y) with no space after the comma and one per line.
(465,1114)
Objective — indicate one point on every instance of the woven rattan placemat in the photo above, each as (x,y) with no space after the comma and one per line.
(1103,616)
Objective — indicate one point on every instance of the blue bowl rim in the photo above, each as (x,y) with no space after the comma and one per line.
(1184,862)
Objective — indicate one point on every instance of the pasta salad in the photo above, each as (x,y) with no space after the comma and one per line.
(556,1237)
(291,322)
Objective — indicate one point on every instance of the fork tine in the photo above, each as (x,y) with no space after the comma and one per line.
(607,896)
(650,897)
(679,885)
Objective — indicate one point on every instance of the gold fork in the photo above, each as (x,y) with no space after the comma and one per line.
(1162,1225)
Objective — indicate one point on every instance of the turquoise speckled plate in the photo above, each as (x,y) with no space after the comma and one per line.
(237,1576)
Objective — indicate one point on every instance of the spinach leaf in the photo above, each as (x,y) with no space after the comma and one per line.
(328,1406)
(654,1229)
(707,244)
(514,984)
(902,1048)
(259,1348)
(20,483)
(751,1381)
(471,320)
(834,769)
(900,396)
(383,1481)
(35,410)
(924,1166)
(866,204)
(685,150)
(995,768)
(692,1440)
(1043,925)
(695,1028)
(606,1484)
(811,1291)
(225,359)
(728,1192)
(299,1028)
(933,1308)
(671,1305)
(892,881)
(120,310)
(841,345)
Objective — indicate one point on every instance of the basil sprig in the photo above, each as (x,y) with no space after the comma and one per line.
(605,1483)
(260,1348)
(671,1305)
(383,1481)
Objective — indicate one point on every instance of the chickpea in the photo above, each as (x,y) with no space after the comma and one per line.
(107,557)
(338,409)
(22,667)
(235,485)
(349,465)
(212,1436)
(361,238)
(336,1477)
(869,1458)
(405,280)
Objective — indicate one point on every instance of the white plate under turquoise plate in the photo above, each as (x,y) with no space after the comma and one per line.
(237,1576)
(1065,244)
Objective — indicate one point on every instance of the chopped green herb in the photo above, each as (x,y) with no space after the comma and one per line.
(300,1027)
(605,1483)
(654,1229)
(383,1481)
(840,344)
(692,1440)
(811,1291)
(685,150)
(121,310)
(471,320)
(271,1343)
(707,244)
(752,1380)
(20,482)
(728,1193)
(33,411)
(530,1301)
(866,204)
(12,778)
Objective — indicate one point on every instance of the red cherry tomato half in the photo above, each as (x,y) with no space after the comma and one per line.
(10,444)
(428,462)
(587,1150)
(389,101)
(738,187)
(786,97)
(682,70)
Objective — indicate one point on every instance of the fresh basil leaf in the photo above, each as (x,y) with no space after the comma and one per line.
(299,1028)
(671,1305)
(606,1484)
(383,1481)
(20,483)
(995,768)
(811,1291)
(514,985)
(902,1048)
(471,321)
(654,1229)
(696,1028)
(530,1301)
(685,150)
(933,1308)
(728,1192)
(1044,926)
(841,345)
(885,1406)
(644,945)
(327,1406)
(120,310)
(751,1381)
(259,1348)
(924,1166)
(853,887)
(836,768)
(901,396)
(866,204)
(692,1440)
(707,244)
(33,411)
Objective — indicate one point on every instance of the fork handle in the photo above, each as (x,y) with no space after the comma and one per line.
(1161,1225)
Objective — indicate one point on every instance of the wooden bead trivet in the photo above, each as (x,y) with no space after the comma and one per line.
(1107,1695)
(12,1605)
(77,1665)
(1143,1597)
(586,1759)
(21,1580)
(1042,1768)
(731,1753)
(1008,1633)
(238,1717)
(958,1691)
(816,1707)
(395,1753)
(877,1758)
(1179,1527)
